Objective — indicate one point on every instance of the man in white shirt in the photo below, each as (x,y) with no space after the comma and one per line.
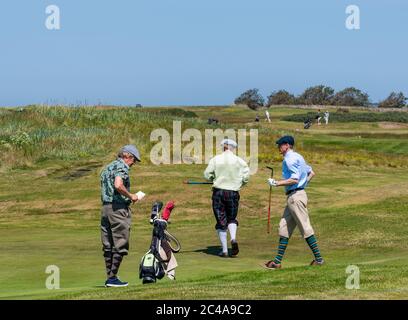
(228,173)
(326,117)
(267,116)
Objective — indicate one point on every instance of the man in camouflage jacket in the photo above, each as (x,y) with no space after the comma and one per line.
(116,213)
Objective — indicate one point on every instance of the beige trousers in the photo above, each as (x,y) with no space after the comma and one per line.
(296,214)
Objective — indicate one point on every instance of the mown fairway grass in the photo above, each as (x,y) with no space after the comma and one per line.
(49,208)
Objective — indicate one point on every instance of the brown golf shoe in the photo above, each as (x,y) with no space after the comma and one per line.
(272,265)
(317,263)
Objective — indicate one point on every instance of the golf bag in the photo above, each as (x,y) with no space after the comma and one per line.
(154,263)
(150,268)
(212,121)
(307,124)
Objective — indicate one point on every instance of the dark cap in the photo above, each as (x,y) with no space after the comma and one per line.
(286,139)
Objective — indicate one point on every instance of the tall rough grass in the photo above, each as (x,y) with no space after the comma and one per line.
(39,133)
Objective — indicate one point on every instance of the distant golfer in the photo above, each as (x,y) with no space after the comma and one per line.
(268,118)
(228,173)
(318,117)
(326,117)
(116,213)
(296,176)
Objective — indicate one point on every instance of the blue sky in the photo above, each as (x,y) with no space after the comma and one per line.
(196,52)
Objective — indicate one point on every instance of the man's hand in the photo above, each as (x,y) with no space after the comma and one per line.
(272,182)
(123,191)
(134,197)
(310,176)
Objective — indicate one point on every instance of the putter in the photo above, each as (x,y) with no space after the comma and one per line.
(270,197)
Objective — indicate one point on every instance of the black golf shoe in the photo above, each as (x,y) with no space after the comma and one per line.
(235,248)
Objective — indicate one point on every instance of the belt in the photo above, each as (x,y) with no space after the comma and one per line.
(118,204)
(217,189)
(293,191)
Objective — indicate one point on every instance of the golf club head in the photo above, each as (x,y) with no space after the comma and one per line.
(270,168)
(167,210)
(157,206)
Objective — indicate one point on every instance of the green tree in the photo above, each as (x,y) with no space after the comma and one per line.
(394,100)
(280,97)
(251,98)
(319,95)
(350,97)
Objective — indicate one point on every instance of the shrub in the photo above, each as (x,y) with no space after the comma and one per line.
(20,139)
(176,112)
(251,98)
(350,97)
(344,110)
(281,97)
(394,100)
(319,95)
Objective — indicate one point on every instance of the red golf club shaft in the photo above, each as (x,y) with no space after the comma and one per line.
(269,208)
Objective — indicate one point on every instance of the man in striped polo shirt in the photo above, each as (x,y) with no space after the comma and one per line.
(296,176)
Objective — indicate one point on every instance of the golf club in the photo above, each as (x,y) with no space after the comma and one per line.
(196,182)
(270,197)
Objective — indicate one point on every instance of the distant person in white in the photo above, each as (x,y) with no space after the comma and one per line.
(267,116)
(326,116)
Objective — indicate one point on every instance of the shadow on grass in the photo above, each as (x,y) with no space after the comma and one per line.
(211,250)
(80,172)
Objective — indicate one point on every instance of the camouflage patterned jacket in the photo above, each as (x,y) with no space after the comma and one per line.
(108,175)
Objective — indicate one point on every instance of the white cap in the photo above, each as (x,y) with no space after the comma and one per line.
(229,142)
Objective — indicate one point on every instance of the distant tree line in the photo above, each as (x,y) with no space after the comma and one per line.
(318,95)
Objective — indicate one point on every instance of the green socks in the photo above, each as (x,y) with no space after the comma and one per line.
(312,242)
(283,243)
